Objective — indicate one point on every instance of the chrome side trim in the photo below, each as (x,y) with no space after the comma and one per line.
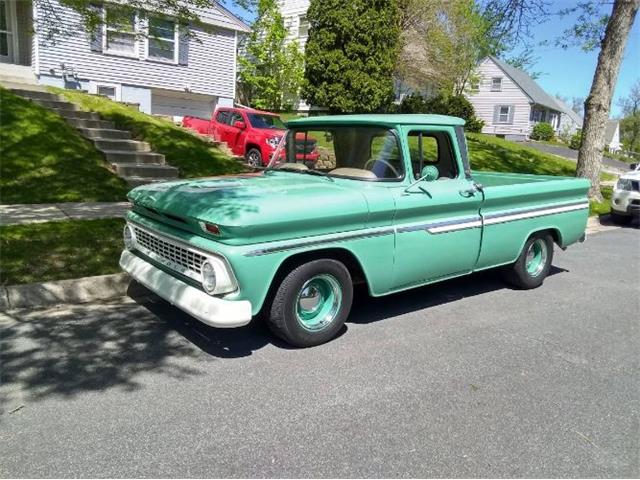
(510,216)
(434,228)
(444,226)
(312,243)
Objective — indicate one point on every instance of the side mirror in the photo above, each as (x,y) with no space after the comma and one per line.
(633,166)
(239,125)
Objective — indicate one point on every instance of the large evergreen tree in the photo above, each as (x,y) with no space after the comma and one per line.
(351,54)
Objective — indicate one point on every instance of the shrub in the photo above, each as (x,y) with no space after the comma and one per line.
(576,140)
(454,105)
(542,131)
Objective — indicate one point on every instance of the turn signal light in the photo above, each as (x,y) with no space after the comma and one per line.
(211,228)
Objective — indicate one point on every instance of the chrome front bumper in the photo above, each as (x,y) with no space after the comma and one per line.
(213,311)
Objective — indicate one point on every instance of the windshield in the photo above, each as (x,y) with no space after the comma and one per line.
(361,153)
(269,122)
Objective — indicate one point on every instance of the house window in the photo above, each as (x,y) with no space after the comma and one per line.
(496,84)
(107,91)
(303,27)
(120,33)
(504,114)
(162,39)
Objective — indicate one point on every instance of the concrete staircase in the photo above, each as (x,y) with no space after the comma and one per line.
(131,159)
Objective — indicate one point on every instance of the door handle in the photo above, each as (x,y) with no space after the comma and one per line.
(470,192)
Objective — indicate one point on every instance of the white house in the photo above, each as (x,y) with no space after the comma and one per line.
(612,136)
(164,71)
(510,102)
(570,121)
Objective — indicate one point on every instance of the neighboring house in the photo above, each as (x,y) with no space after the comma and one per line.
(294,13)
(570,121)
(164,70)
(510,102)
(612,136)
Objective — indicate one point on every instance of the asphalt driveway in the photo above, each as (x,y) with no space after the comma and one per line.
(569,154)
(465,378)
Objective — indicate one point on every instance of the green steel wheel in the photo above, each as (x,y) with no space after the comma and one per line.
(533,264)
(312,303)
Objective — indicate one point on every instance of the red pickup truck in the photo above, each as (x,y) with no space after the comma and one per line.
(253,134)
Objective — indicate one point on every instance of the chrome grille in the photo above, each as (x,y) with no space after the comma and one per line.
(169,253)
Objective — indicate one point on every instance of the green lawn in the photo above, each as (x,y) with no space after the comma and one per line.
(193,156)
(44,160)
(59,250)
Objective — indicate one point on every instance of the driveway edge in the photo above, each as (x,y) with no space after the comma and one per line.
(77,290)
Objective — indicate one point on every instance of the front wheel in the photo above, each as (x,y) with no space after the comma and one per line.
(312,303)
(254,157)
(533,264)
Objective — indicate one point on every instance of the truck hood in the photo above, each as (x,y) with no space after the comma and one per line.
(254,208)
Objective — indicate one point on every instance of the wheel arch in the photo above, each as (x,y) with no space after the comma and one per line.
(341,254)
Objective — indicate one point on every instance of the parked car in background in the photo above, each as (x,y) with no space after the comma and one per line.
(625,201)
(252,134)
(395,207)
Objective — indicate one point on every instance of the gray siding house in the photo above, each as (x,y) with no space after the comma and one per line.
(163,70)
(510,102)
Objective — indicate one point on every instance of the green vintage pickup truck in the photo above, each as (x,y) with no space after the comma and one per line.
(391,203)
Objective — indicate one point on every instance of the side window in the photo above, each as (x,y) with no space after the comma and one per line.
(235,117)
(432,148)
(496,84)
(223,117)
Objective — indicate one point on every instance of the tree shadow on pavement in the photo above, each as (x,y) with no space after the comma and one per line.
(87,348)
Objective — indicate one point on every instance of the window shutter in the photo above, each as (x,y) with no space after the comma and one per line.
(512,109)
(95,35)
(183,46)
(496,113)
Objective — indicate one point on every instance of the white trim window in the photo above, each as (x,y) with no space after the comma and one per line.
(163,41)
(120,33)
(504,114)
(496,84)
(303,27)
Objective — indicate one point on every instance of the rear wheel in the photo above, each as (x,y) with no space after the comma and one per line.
(254,157)
(619,219)
(533,264)
(312,303)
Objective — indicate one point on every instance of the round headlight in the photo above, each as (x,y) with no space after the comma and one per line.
(127,235)
(208,277)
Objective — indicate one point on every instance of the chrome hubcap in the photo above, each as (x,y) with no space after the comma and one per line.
(536,258)
(318,302)
(254,160)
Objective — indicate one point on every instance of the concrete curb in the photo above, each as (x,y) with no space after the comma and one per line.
(78,290)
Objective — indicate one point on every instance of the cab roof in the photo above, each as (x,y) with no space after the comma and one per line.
(386,119)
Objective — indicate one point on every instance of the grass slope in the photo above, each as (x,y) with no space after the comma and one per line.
(59,250)
(44,160)
(193,156)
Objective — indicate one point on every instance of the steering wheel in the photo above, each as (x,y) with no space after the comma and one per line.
(391,167)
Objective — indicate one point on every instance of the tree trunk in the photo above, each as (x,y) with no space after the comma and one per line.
(598,102)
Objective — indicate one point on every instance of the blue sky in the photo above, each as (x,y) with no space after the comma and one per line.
(569,72)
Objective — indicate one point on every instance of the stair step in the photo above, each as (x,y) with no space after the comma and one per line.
(85,123)
(12,81)
(55,104)
(35,94)
(120,145)
(134,181)
(148,170)
(134,158)
(105,133)
(75,114)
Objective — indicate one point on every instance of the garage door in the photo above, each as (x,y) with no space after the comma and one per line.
(180,105)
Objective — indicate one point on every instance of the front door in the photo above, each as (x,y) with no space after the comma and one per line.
(437,222)
(8,41)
